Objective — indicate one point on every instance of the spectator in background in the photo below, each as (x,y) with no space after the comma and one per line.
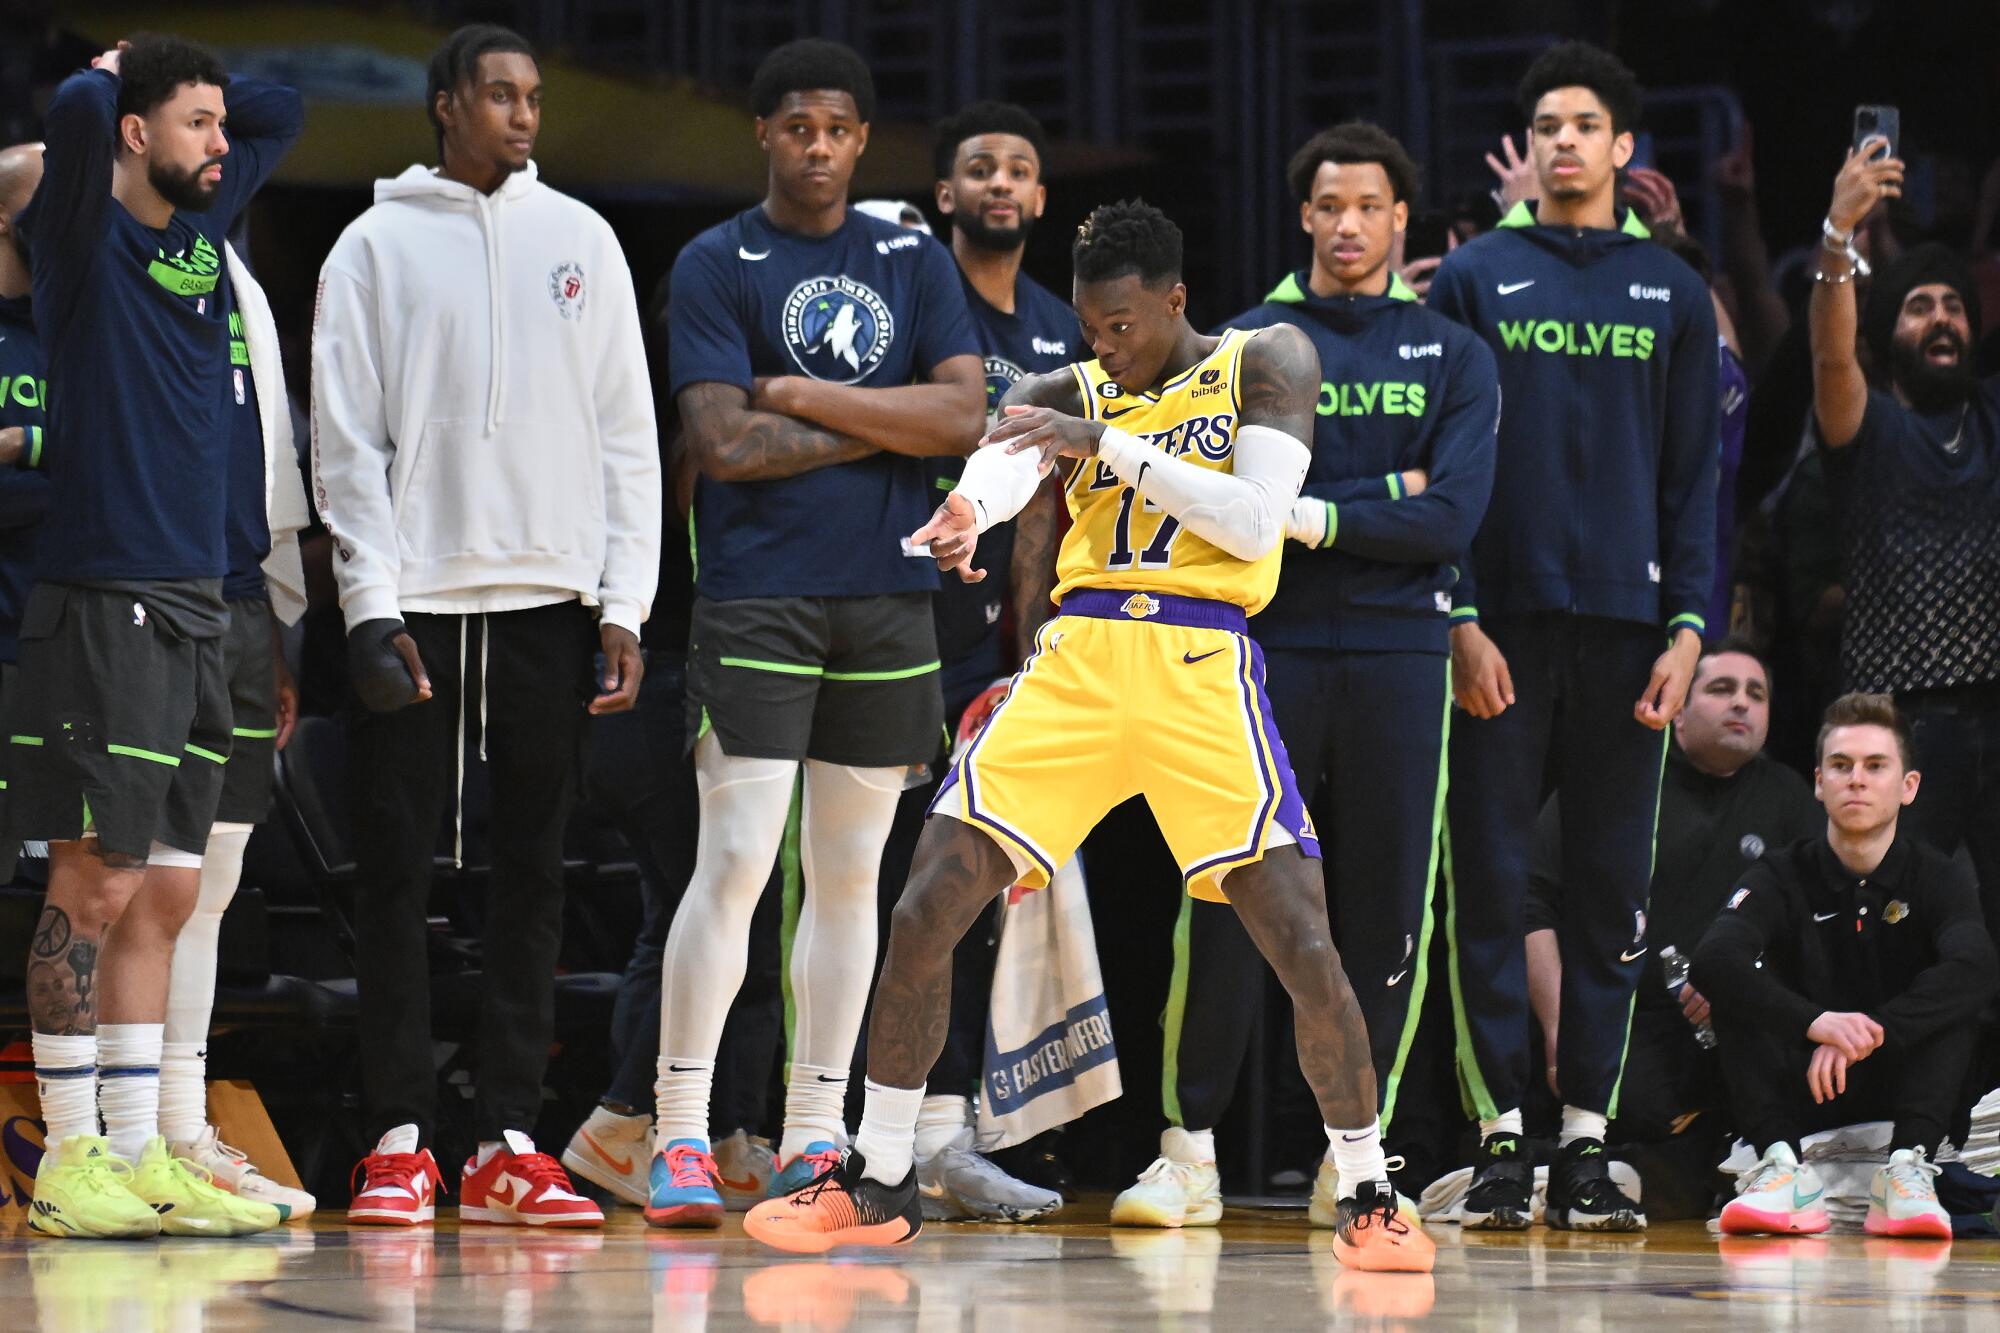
(1599,538)
(36,54)
(1723,802)
(1915,468)
(1843,974)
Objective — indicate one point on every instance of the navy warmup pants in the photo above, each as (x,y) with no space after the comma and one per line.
(1367,729)
(1576,679)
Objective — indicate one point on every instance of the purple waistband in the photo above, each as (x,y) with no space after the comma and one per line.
(1158,608)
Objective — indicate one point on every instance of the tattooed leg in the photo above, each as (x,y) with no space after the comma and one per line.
(958,870)
(87,892)
(139,951)
(1282,903)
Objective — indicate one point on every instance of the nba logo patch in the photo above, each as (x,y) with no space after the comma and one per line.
(566,289)
(240,398)
(1139,606)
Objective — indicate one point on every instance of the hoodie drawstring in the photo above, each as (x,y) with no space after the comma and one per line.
(458,784)
(496,334)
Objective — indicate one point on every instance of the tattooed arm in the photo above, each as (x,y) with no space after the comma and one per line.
(729,441)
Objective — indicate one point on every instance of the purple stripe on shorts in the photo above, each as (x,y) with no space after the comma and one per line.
(1291,809)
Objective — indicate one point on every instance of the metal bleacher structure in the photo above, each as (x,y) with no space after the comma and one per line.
(1230,85)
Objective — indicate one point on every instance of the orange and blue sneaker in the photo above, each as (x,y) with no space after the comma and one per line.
(840,1206)
(1371,1233)
(683,1187)
(802,1170)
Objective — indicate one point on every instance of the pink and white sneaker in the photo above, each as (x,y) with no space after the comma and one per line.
(399,1182)
(521,1187)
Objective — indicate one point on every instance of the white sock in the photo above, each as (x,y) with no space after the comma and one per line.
(680,1099)
(1507,1122)
(1356,1155)
(815,1102)
(183,1089)
(1188,1145)
(191,988)
(66,1082)
(1581,1124)
(887,1139)
(487,1147)
(941,1120)
(128,1084)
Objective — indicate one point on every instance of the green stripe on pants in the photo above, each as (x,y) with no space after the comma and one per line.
(1472,1086)
(1170,1021)
(1652,864)
(793,883)
(1420,966)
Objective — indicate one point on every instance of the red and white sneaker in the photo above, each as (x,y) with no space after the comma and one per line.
(399,1182)
(522,1187)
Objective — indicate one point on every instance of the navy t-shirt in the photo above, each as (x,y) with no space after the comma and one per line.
(1040,336)
(246,522)
(871,304)
(133,322)
(24,488)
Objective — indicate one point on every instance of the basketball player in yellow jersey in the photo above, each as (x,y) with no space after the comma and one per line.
(1181,456)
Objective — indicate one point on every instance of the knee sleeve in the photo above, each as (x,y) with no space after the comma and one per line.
(743,807)
(191,989)
(846,820)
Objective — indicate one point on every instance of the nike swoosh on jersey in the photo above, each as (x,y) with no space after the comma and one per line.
(1505,288)
(622,1165)
(742,253)
(1113,416)
(1631,956)
(1825,916)
(1192,658)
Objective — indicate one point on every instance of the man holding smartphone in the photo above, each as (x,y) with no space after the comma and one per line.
(492,488)
(1915,464)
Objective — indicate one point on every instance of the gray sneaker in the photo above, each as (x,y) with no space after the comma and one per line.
(957,1184)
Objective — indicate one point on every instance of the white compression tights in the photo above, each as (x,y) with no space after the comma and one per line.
(846,817)
(191,989)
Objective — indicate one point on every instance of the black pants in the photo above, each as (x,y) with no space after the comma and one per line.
(1957,737)
(1366,731)
(1917,1086)
(640,775)
(401,772)
(1576,679)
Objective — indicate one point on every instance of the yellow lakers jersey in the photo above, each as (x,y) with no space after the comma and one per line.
(1120,541)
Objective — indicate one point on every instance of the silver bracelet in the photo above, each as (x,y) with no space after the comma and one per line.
(1842,242)
(1820,275)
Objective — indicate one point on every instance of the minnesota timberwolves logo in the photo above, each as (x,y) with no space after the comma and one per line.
(837,329)
(1001,375)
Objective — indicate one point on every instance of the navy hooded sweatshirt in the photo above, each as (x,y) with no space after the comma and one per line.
(1402,388)
(1604,485)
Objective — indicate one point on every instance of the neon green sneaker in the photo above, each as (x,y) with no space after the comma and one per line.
(188,1204)
(83,1192)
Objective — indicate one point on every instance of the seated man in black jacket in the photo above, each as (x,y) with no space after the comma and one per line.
(1723,802)
(1843,977)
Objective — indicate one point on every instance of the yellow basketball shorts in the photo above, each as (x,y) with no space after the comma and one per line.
(1135,694)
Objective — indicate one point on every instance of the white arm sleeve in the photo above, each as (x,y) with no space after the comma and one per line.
(1243,511)
(998,483)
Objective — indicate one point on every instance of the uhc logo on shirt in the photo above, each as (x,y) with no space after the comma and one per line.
(837,329)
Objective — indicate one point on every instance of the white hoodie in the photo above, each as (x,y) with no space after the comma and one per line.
(483,433)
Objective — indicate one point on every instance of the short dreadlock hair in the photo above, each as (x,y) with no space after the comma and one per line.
(1130,236)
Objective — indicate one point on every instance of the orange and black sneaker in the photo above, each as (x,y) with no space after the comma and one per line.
(1373,1235)
(840,1206)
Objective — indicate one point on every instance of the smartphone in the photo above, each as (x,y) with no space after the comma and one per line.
(1642,151)
(1879,122)
(1427,236)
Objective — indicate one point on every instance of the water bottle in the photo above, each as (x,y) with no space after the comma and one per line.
(1675,964)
